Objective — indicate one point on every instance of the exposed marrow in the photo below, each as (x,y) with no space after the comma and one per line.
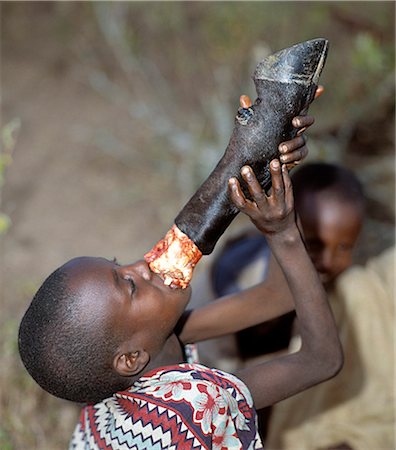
(174,258)
(285,83)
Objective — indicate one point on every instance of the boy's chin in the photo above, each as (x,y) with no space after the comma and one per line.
(187,294)
(183,295)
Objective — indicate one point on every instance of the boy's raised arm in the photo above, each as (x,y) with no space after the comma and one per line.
(263,302)
(320,356)
(234,312)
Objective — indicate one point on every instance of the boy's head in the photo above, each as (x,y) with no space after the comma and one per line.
(93,325)
(330,203)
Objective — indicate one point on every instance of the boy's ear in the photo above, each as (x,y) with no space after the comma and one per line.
(130,363)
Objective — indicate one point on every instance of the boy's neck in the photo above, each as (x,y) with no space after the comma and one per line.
(171,353)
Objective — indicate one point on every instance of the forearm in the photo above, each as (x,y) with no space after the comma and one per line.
(241,310)
(316,323)
(320,356)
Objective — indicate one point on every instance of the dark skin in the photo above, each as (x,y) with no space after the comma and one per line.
(331,228)
(132,303)
(138,296)
(250,302)
(320,356)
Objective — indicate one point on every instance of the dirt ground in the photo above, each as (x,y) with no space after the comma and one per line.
(67,194)
(78,186)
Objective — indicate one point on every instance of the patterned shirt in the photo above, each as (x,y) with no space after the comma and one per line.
(185,406)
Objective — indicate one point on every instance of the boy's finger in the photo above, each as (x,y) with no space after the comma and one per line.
(294,157)
(303,121)
(287,186)
(255,189)
(293,144)
(277,180)
(236,193)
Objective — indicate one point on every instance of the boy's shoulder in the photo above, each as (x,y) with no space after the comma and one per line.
(374,278)
(190,377)
(184,404)
(363,302)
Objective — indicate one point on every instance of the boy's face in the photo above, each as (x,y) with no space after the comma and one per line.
(130,300)
(331,228)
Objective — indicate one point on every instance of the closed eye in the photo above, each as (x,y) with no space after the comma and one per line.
(132,283)
(127,278)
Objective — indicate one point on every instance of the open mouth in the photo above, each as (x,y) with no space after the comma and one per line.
(173,258)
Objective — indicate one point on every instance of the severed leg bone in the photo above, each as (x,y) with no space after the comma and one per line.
(285,83)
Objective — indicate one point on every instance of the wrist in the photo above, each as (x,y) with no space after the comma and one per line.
(290,236)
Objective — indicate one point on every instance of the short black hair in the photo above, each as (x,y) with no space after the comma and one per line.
(66,356)
(340,181)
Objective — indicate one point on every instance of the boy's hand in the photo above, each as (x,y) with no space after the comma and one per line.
(270,214)
(295,150)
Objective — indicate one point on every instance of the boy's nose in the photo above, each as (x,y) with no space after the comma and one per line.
(141,268)
(326,261)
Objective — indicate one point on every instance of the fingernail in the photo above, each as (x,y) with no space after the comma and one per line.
(283,148)
(245,171)
(275,164)
(296,122)
(283,158)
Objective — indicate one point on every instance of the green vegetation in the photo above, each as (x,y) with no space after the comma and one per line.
(8,141)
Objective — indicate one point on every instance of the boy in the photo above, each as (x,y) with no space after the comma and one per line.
(132,314)
(330,204)
(356,409)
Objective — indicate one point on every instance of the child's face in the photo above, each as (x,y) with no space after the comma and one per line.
(130,300)
(331,228)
